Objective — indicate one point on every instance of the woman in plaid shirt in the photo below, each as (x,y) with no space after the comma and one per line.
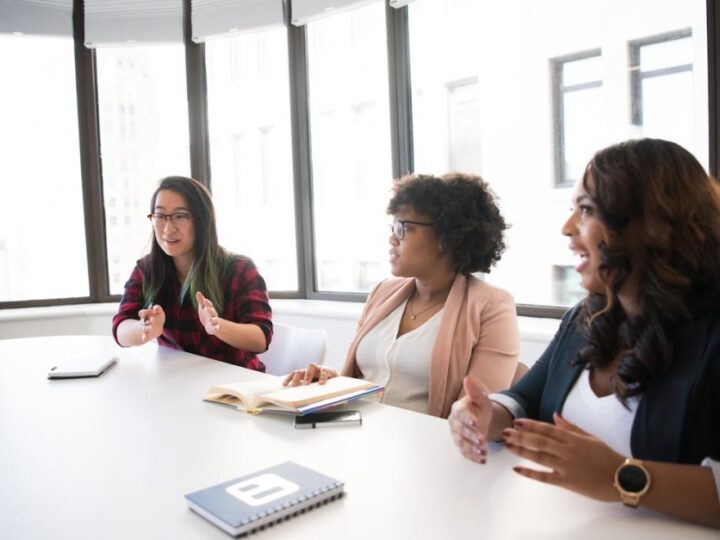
(189,292)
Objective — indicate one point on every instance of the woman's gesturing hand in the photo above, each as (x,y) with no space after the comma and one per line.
(469,421)
(153,321)
(309,374)
(207,314)
(577,460)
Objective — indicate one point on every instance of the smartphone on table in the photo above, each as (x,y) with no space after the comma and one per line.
(328,419)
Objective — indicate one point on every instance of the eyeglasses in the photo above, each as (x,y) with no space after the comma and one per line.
(398,227)
(179,219)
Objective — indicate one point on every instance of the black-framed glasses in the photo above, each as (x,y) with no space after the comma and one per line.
(398,227)
(178,219)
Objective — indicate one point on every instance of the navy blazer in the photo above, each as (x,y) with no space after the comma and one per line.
(678,416)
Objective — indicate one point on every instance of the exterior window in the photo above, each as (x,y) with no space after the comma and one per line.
(251,153)
(42,222)
(662,87)
(350,141)
(526,109)
(577,106)
(567,290)
(144,133)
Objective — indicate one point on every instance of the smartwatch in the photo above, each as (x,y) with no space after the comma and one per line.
(632,480)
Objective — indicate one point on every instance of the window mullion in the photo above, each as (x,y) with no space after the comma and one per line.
(90,164)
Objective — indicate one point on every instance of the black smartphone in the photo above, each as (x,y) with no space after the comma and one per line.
(328,419)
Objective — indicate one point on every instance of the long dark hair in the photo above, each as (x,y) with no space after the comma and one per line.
(661,213)
(209,259)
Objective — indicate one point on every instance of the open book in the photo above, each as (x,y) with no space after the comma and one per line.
(268,394)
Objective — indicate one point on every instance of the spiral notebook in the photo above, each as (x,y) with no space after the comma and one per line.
(264,497)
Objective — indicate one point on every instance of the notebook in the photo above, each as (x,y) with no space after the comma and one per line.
(258,499)
(78,368)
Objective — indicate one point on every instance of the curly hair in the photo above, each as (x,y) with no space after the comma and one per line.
(661,214)
(467,219)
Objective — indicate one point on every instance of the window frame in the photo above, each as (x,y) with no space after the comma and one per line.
(401,126)
(637,76)
(559,91)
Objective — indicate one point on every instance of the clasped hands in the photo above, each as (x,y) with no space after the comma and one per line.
(153,318)
(573,458)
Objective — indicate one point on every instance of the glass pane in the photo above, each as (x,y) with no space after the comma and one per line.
(668,109)
(350,124)
(671,53)
(584,129)
(460,40)
(143,137)
(251,153)
(42,223)
(582,71)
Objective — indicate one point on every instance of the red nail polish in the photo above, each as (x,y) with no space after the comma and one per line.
(508,444)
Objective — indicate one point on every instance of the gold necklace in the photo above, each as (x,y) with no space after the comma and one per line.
(414,315)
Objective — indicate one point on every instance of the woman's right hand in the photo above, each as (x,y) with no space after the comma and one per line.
(469,421)
(152,320)
(309,374)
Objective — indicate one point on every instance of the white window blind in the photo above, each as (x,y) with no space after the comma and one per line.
(122,22)
(214,18)
(37,17)
(305,11)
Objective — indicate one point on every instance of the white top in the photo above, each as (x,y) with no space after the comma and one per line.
(400,364)
(605,417)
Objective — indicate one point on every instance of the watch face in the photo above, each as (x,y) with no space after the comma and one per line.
(632,478)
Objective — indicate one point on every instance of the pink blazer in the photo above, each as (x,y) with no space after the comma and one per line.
(478,335)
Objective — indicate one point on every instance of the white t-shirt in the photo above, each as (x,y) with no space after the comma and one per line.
(400,364)
(605,417)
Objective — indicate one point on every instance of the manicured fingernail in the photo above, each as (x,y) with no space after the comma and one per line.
(470,423)
(506,433)
(517,424)
(516,469)
(508,444)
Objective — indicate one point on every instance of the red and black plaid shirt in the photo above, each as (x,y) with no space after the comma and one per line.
(246,301)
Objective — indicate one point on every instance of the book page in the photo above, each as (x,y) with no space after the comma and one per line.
(248,392)
(296,396)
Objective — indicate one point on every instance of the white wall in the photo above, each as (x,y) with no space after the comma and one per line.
(337,318)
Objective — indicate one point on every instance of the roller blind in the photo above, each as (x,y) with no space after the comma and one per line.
(213,18)
(305,11)
(38,17)
(120,22)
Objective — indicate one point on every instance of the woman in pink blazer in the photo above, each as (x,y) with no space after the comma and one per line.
(421,332)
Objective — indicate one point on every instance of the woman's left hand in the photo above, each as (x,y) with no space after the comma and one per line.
(577,460)
(207,314)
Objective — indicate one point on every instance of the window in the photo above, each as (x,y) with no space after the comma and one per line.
(567,290)
(662,87)
(577,105)
(350,141)
(251,152)
(528,107)
(144,137)
(42,221)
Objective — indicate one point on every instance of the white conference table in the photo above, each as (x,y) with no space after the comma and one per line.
(112,458)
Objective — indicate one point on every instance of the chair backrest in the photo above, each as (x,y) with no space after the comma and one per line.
(293,348)
(520,371)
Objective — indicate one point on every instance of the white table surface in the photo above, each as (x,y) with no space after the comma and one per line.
(112,458)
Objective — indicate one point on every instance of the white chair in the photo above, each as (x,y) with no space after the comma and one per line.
(293,348)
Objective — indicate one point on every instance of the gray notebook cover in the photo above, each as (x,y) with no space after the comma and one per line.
(263,497)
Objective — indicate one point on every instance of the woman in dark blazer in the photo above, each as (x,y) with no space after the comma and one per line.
(625,403)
